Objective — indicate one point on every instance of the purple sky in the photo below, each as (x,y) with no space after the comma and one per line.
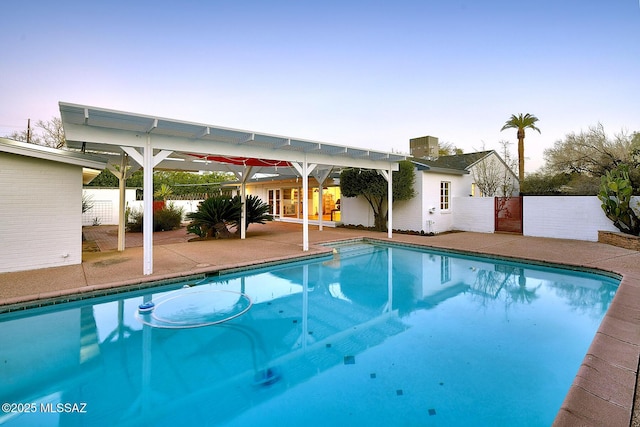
(365,74)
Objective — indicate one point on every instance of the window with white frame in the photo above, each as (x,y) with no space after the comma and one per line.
(445,195)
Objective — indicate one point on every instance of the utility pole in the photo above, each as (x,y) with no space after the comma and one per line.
(28,130)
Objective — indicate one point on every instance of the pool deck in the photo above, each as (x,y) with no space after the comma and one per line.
(603,392)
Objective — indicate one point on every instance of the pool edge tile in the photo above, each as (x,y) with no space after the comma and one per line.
(582,408)
(609,382)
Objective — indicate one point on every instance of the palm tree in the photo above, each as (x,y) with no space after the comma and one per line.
(521,122)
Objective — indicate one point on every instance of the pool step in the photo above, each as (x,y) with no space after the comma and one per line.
(355,249)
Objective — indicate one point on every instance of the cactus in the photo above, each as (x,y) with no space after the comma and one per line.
(615,193)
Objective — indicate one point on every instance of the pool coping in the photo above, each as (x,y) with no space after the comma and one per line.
(15,304)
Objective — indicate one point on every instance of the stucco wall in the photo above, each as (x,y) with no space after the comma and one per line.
(41,216)
(569,217)
(356,211)
(474,214)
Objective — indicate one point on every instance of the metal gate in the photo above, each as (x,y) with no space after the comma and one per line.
(508,214)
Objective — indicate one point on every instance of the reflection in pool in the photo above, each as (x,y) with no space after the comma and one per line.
(372,335)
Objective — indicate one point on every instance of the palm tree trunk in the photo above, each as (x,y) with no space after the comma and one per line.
(521,156)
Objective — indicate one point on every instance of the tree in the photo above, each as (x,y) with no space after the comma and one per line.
(487,176)
(493,177)
(521,122)
(588,155)
(373,187)
(448,149)
(507,183)
(544,184)
(51,134)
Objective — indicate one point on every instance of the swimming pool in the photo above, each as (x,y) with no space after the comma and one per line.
(372,335)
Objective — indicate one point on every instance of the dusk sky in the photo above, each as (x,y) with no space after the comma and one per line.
(369,74)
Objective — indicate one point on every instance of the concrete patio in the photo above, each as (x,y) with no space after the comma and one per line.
(603,392)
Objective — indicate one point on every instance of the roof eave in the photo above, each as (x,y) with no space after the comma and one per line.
(53,154)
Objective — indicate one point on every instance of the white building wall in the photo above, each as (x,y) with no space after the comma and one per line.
(564,217)
(474,214)
(441,220)
(41,216)
(356,211)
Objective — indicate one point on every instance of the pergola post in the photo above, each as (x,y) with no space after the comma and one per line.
(121,173)
(305,205)
(148,161)
(122,181)
(304,170)
(321,176)
(388,175)
(243,198)
(390,202)
(147,197)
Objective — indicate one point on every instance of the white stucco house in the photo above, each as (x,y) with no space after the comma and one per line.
(439,181)
(41,215)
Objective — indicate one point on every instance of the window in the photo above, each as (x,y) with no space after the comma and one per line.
(445,270)
(445,195)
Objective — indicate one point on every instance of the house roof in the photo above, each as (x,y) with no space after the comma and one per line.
(91,165)
(457,164)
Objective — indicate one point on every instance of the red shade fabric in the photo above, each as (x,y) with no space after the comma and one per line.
(243,161)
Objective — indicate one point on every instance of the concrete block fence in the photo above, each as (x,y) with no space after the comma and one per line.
(563,217)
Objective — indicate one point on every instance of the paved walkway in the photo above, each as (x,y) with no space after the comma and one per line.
(602,392)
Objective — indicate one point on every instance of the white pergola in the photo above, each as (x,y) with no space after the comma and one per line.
(160,143)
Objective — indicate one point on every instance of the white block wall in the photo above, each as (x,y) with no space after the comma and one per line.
(565,217)
(186,205)
(474,214)
(356,211)
(41,214)
(106,204)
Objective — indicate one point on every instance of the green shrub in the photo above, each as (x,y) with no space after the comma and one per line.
(135,221)
(165,219)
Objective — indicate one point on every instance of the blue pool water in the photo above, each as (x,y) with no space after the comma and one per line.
(373,335)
